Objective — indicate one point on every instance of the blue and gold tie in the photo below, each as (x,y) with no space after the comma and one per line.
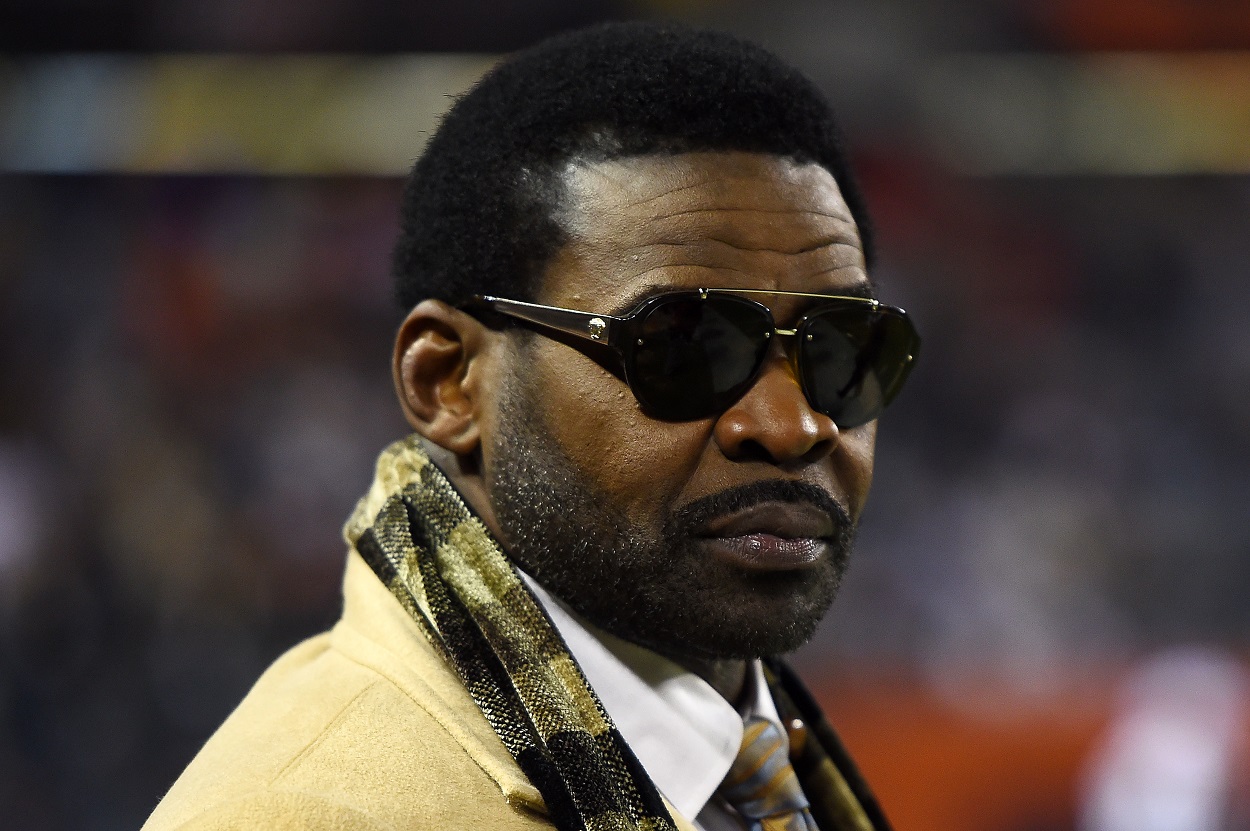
(762,785)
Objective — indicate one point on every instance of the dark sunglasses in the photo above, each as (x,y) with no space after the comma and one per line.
(691,354)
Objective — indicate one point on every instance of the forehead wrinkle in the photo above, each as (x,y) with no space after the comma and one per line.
(578,183)
(812,248)
(715,217)
(814,230)
(837,217)
(644,201)
(640,211)
(723,254)
(679,177)
(664,244)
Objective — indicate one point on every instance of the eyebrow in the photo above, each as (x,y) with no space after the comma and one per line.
(634,298)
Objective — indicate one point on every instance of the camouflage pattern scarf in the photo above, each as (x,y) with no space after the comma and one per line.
(438,559)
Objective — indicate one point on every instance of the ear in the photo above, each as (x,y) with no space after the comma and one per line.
(436,372)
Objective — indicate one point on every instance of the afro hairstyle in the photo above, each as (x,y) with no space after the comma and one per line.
(478,210)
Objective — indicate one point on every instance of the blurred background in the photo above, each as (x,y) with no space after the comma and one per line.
(1046,625)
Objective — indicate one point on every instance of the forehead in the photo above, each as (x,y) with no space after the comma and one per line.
(734,220)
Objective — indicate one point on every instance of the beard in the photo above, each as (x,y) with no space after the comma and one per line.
(653,586)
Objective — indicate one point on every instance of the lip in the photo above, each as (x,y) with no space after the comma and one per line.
(770,536)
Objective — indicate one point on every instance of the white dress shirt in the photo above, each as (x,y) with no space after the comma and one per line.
(683,732)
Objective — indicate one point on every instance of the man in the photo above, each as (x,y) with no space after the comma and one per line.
(643,364)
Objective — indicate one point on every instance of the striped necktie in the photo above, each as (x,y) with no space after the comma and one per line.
(762,786)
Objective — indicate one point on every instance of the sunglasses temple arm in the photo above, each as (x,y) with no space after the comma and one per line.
(584,325)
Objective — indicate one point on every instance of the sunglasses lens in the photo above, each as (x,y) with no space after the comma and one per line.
(695,356)
(854,361)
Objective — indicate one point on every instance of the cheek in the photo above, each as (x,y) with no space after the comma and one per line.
(854,462)
(638,462)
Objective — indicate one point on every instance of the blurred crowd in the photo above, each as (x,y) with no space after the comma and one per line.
(194,382)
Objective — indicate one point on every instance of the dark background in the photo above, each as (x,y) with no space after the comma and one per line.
(194,382)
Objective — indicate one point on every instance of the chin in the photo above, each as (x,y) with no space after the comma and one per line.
(771,615)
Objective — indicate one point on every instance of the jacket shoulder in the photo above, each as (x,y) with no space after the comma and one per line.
(280,812)
(326,740)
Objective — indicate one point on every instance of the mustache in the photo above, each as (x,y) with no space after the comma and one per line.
(690,518)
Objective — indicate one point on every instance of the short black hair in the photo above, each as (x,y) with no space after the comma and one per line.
(477,215)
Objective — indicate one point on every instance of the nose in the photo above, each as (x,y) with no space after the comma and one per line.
(773,420)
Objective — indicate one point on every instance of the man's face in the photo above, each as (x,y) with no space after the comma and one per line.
(724,537)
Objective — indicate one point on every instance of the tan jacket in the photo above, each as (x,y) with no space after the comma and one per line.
(363,727)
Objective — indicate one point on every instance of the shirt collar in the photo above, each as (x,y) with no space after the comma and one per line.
(683,732)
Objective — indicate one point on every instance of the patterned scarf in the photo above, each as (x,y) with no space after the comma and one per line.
(440,562)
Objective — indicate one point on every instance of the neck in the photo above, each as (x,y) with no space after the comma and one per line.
(727,677)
